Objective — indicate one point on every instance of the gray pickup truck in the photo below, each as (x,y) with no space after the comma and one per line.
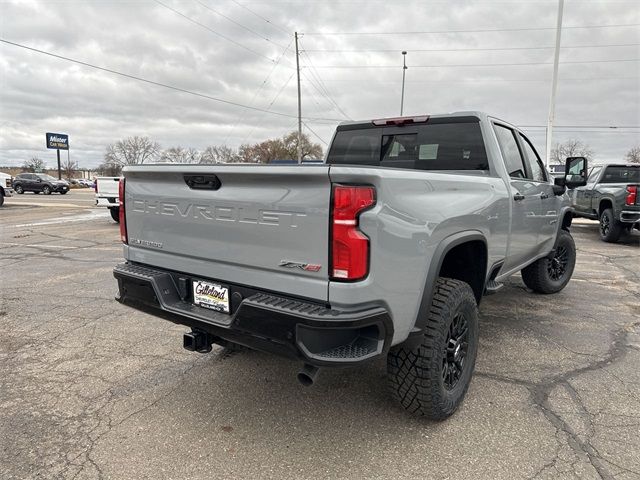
(611,196)
(385,249)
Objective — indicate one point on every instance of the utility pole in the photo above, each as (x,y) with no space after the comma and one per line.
(554,82)
(404,69)
(299,102)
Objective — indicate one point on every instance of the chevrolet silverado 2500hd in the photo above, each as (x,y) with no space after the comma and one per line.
(386,249)
(610,196)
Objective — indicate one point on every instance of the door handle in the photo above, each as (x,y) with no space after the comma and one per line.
(543,196)
(518,197)
(202,182)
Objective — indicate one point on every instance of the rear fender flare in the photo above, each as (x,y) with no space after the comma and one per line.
(434,269)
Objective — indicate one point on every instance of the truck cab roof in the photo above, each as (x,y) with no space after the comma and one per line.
(465,116)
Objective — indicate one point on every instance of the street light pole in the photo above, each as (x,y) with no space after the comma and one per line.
(554,84)
(404,69)
(299,148)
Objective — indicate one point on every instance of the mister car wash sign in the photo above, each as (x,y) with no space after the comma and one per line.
(58,141)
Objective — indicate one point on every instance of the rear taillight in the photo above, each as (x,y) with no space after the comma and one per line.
(349,246)
(123,217)
(95,185)
(632,195)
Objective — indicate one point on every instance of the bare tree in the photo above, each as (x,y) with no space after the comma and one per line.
(309,150)
(219,154)
(34,164)
(263,152)
(109,170)
(570,148)
(131,151)
(284,148)
(180,155)
(69,168)
(633,155)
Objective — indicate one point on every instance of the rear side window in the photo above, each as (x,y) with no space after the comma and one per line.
(444,146)
(621,175)
(356,147)
(510,152)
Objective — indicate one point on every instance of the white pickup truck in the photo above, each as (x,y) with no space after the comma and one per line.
(6,187)
(107,195)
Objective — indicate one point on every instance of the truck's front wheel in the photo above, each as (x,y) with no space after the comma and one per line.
(432,379)
(551,274)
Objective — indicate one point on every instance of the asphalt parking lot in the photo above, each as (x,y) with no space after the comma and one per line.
(91,389)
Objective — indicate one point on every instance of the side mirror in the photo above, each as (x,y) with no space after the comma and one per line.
(39,180)
(575,172)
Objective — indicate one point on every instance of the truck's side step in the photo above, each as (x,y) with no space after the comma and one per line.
(492,287)
(358,348)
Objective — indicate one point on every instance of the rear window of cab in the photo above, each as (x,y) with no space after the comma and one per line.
(441,146)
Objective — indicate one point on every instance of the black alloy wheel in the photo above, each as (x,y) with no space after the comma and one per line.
(557,266)
(605,225)
(456,350)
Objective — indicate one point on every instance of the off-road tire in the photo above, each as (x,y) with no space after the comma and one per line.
(551,274)
(610,227)
(416,376)
(1,198)
(64,192)
(46,190)
(115,214)
(19,190)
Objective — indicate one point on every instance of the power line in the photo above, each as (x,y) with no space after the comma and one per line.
(262,85)
(484,30)
(489,49)
(164,85)
(213,31)
(316,135)
(284,85)
(323,91)
(490,80)
(313,72)
(479,64)
(239,24)
(314,83)
(248,136)
(261,17)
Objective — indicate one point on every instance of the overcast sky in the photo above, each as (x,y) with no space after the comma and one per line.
(242,52)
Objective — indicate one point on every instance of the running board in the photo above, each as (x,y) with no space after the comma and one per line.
(492,287)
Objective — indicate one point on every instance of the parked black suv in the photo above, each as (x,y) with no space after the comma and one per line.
(39,182)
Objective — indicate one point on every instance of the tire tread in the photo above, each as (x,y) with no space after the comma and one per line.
(414,375)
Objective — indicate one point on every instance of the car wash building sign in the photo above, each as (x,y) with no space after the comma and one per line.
(59,141)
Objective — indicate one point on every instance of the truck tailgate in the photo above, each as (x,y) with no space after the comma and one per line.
(107,186)
(260,226)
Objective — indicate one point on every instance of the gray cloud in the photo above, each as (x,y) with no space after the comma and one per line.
(143,38)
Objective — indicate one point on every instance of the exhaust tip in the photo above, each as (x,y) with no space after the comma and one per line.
(307,376)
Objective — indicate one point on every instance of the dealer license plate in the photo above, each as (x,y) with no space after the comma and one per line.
(211,295)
